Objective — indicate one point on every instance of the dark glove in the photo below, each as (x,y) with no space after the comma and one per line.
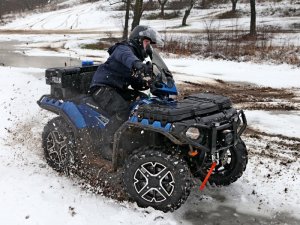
(138,67)
(141,70)
(141,86)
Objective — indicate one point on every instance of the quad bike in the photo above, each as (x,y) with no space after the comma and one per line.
(160,148)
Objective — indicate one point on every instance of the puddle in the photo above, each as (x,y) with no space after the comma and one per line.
(229,216)
(9,57)
(284,113)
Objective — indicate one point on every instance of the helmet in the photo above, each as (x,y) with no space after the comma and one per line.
(141,32)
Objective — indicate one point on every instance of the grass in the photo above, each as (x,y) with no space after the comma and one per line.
(229,15)
(102,44)
(235,45)
(232,45)
(167,16)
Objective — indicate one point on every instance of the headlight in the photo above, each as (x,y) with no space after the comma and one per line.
(227,136)
(193,133)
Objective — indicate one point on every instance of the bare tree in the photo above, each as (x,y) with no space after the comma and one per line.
(253,18)
(28,4)
(125,31)
(2,4)
(234,5)
(188,11)
(162,4)
(137,13)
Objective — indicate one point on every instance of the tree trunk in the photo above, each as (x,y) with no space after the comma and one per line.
(203,4)
(234,5)
(162,10)
(253,18)
(187,13)
(125,31)
(162,7)
(137,13)
(1,10)
(27,4)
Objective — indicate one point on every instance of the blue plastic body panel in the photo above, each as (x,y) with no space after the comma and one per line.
(167,90)
(154,124)
(82,115)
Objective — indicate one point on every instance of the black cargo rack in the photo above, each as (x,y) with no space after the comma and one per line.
(68,82)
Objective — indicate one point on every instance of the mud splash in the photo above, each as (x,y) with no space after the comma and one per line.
(277,147)
(96,176)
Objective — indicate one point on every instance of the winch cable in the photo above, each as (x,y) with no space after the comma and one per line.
(213,165)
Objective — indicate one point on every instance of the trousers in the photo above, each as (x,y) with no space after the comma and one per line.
(110,100)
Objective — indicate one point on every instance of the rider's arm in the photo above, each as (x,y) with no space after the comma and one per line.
(124,55)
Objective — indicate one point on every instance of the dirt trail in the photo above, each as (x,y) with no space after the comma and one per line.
(246,96)
(56,31)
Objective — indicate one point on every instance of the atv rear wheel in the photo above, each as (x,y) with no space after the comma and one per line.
(231,165)
(155,178)
(58,144)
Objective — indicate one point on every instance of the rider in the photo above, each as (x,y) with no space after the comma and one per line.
(123,68)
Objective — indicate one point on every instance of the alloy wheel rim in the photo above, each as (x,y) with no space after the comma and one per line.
(154,182)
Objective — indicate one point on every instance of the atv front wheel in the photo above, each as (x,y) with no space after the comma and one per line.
(155,178)
(231,165)
(58,144)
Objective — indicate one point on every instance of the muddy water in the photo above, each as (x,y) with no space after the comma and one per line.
(11,54)
(224,215)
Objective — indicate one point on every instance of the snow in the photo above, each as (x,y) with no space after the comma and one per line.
(28,187)
(32,193)
(275,122)
(35,195)
(85,16)
(12,85)
(283,76)
(90,16)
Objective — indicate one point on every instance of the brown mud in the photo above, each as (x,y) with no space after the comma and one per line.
(96,175)
(246,96)
(251,97)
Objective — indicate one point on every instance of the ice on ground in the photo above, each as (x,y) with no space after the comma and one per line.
(275,122)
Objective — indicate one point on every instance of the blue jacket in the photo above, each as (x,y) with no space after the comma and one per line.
(117,70)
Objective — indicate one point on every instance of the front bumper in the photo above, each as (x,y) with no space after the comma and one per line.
(237,125)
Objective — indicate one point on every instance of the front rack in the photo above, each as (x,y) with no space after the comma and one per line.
(238,125)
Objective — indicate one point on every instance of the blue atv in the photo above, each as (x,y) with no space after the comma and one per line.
(159,149)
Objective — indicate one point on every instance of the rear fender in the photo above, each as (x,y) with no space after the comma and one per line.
(78,116)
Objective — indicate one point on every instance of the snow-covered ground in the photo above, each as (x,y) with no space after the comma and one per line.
(32,193)
(91,16)
(36,194)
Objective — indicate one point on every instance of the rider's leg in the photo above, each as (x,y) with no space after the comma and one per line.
(118,108)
